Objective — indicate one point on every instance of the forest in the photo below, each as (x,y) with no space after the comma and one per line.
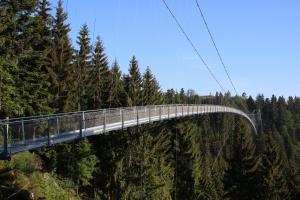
(206,157)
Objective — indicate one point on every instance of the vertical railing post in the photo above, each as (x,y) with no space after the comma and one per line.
(82,125)
(23,131)
(83,121)
(176,111)
(168,111)
(159,113)
(104,121)
(137,116)
(192,109)
(57,125)
(181,110)
(149,112)
(122,117)
(6,129)
(197,109)
(49,129)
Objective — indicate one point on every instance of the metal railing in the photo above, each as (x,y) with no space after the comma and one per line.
(27,133)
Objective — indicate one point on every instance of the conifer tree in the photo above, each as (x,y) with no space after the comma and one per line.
(83,67)
(293,178)
(205,186)
(33,83)
(117,95)
(151,94)
(99,78)
(133,84)
(274,183)
(9,100)
(241,178)
(61,62)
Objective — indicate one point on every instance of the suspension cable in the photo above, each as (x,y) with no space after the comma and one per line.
(216,48)
(193,46)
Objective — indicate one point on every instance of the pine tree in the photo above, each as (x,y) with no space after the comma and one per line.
(294,180)
(274,183)
(98,87)
(182,96)
(9,100)
(84,166)
(33,81)
(77,162)
(241,178)
(133,84)
(117,95)
(83,67)
(151,94)
(61,62)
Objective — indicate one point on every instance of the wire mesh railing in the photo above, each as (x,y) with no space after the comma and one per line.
(21,134)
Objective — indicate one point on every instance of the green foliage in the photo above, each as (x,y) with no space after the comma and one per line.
(82,67)
(40,73)
(133,84)
(117,95)
(274,183)
(24,162)
(151,94)
(61,69)
(99,79)
(22,177)
(241,178)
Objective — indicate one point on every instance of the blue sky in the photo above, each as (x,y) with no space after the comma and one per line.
(258,40)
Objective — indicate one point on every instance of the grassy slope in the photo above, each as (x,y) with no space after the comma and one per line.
(22,177)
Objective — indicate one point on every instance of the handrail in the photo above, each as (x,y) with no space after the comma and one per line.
(21,134)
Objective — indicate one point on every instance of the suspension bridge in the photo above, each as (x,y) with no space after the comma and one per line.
(27,133)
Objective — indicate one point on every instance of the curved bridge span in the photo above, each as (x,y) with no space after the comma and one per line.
(20,134)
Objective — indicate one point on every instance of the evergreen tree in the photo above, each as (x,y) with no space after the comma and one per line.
(9,101)
(77,162)
(61,63)
(99,83)
(241,178)
(293,178)
(133,84)
(117,95)
(274,183)
(182,96)
(151,94)
(33,83)
(83,67)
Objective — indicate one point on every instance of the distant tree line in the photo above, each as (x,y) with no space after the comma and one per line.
(215,156)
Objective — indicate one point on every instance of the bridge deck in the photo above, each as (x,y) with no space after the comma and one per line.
(27,133)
